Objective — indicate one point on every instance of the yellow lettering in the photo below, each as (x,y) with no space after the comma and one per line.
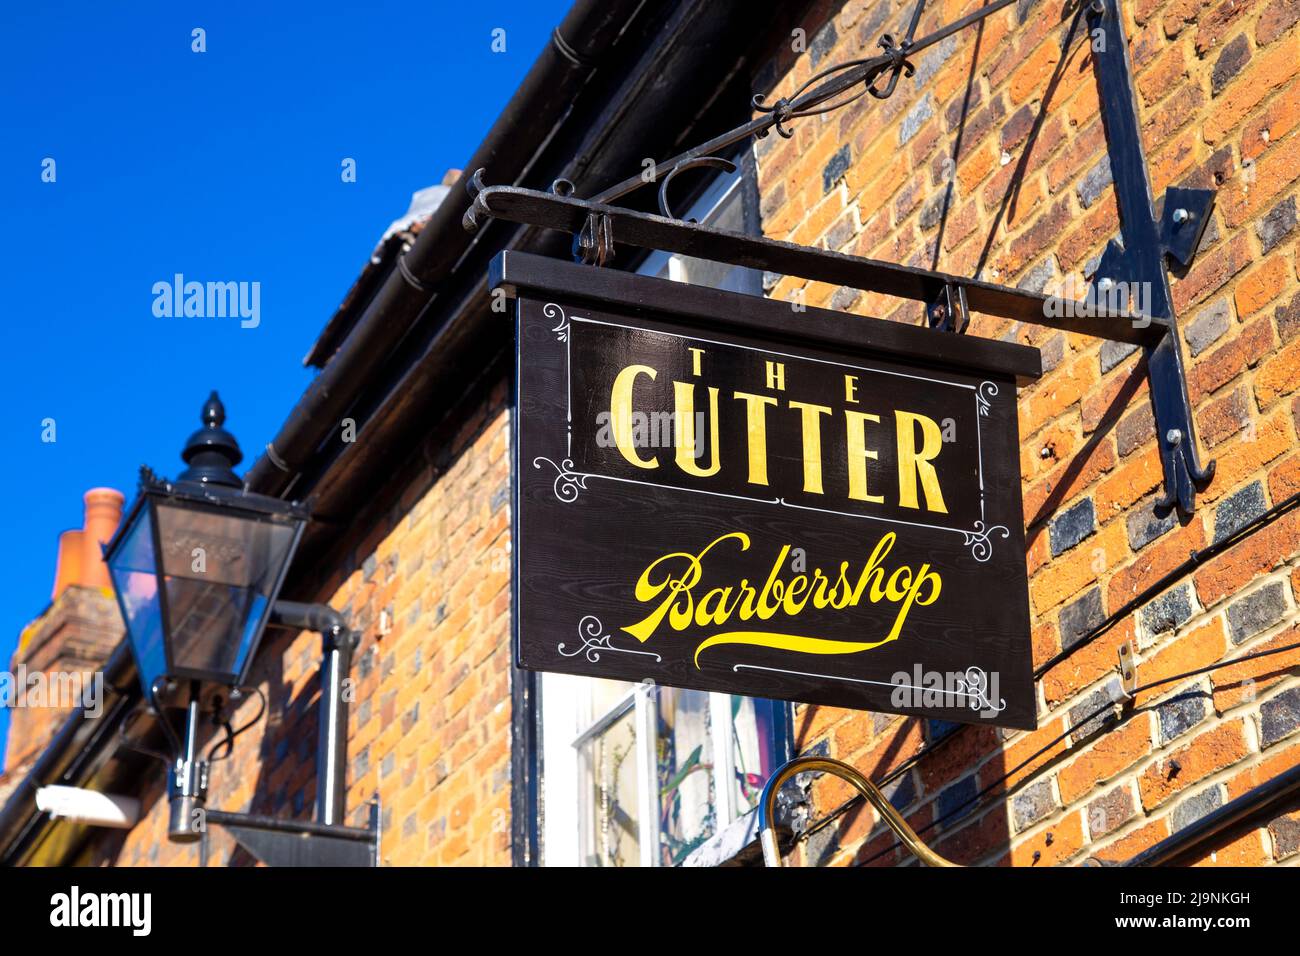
(856,424)
(776,375)
(620,414)
(812,445)
(756,427)
(685,405)
(913,464)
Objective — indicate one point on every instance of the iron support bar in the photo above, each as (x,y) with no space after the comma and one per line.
(1140,261)
(648,231)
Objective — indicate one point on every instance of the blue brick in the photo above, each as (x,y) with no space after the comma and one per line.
(1072,526)
(953,797)
(1279,717)
(835,167)
(1238,510)
(1180,714)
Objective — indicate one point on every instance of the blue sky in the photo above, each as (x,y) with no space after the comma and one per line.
(224,166)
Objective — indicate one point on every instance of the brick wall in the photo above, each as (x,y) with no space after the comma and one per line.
(992,161)
(429,729)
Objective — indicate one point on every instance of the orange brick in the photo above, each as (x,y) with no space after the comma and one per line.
(1086,664)
(1130,845)
(1069,573)
(1245,850)
(1269,71)
(1155,561)
(1264,550)
(1112,754)
(1262,285)
(1263,771)
(1244,682)
(1187,652)
(1278,375)
(1053,846)
(1025,749)
(1209,753)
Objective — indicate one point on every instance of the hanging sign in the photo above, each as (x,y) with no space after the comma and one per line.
(720,492)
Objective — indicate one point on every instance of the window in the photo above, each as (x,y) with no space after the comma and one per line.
(637,774)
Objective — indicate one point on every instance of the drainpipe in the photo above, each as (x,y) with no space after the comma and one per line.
(337,644)
(519,133)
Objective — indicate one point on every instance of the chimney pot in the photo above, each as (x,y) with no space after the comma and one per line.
(103,513)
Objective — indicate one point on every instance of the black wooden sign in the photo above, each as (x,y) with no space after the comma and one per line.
(721,492)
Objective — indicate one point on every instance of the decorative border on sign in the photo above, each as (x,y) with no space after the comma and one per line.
(569,482)
(595,642)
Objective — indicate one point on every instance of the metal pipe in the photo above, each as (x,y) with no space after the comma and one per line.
(332,742)
(859,782)
(189,783)
(337,644)
(1251,805)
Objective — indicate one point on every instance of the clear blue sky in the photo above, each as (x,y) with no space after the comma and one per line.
(224,166)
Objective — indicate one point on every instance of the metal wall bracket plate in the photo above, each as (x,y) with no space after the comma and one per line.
(1136,267)
(1128,672)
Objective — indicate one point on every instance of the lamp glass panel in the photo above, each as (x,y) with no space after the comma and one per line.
(134,573)
(220,570)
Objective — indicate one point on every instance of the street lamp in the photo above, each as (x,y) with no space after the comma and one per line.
(198,562)
(197,565)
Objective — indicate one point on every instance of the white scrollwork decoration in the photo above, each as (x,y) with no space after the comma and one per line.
(595,641)
(567,481)
(975,686)
(983,396)
(978,540)
(561,330)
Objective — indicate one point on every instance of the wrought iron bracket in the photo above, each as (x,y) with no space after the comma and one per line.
(1136,266)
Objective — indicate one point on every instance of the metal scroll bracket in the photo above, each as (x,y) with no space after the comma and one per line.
(1130,301)
(1135,267)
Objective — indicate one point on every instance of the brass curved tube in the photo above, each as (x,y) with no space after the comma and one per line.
(870,792)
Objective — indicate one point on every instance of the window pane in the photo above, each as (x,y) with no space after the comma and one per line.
(220,571)
(136,585)
(685,760)
(754,724)
(607,763)
(728,215)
